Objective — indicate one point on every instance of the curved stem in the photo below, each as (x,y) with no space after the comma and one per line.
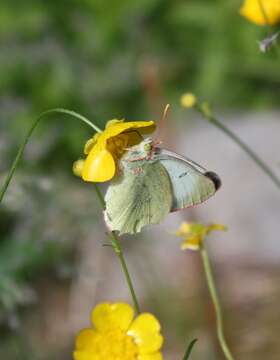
(118,250)
(189,349)
(28,135)
(115,242)
(261,164)
(216,303)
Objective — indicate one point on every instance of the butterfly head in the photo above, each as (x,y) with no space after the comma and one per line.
(149,147)
(146,146)
(143,151)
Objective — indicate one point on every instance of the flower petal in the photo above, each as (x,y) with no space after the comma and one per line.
(145,331)
(113,122)
(85,355)
(192,242)
(86,339)
(90,143)
(184,229)
(144,127)
(155,356)
(216,227)
(108,316)
(134,138)
(261,13)
(99,166)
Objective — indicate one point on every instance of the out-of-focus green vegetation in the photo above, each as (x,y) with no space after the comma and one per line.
(97,57)
(104,59)
(118,59)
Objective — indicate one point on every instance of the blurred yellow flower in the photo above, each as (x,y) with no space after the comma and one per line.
(105,148)
(116,336)
(261,12)
(188,100)
(195,233)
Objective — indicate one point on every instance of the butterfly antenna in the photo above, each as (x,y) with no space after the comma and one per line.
(161,123)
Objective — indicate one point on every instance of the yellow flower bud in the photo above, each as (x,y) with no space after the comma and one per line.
(188,100)
(78,167)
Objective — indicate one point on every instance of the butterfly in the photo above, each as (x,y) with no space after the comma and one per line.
(152,183)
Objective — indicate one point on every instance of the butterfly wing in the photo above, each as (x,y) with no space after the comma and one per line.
(142,195)
(191,183)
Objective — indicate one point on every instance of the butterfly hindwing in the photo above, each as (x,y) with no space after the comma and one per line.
(191,184)
(141,195)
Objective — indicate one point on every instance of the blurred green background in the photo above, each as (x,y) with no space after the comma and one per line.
(104,59)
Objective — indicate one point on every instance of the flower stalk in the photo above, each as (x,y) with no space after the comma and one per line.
(206,112)
(216,302)
(28,135)
(114,238)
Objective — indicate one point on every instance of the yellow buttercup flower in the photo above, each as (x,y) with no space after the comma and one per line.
(261,12)
(195,233)
(116,336)
(105,148)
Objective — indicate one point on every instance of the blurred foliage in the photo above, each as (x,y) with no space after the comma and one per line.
(122,59)
(125,59)
(99,59)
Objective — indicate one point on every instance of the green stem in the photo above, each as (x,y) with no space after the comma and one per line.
(118,250)
(28,135)
(114,240)
(189,349)
(216,303)
(261,164)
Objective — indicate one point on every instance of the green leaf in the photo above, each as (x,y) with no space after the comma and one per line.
(189,349)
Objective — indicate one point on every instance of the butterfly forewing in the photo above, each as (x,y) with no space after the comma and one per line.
(191,184)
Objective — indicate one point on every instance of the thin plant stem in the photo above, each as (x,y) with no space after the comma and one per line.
(28,135)
(118,250)
(114,239)
(258,161)
(189,349)
(216,303)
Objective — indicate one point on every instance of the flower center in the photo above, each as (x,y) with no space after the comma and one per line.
(115,345)
(116,145)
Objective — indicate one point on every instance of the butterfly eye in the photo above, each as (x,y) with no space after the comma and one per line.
(148,147)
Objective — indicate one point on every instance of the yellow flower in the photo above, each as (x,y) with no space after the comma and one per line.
(261,12)
(105,148)
(188,100)
(194,234)
(116,336)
